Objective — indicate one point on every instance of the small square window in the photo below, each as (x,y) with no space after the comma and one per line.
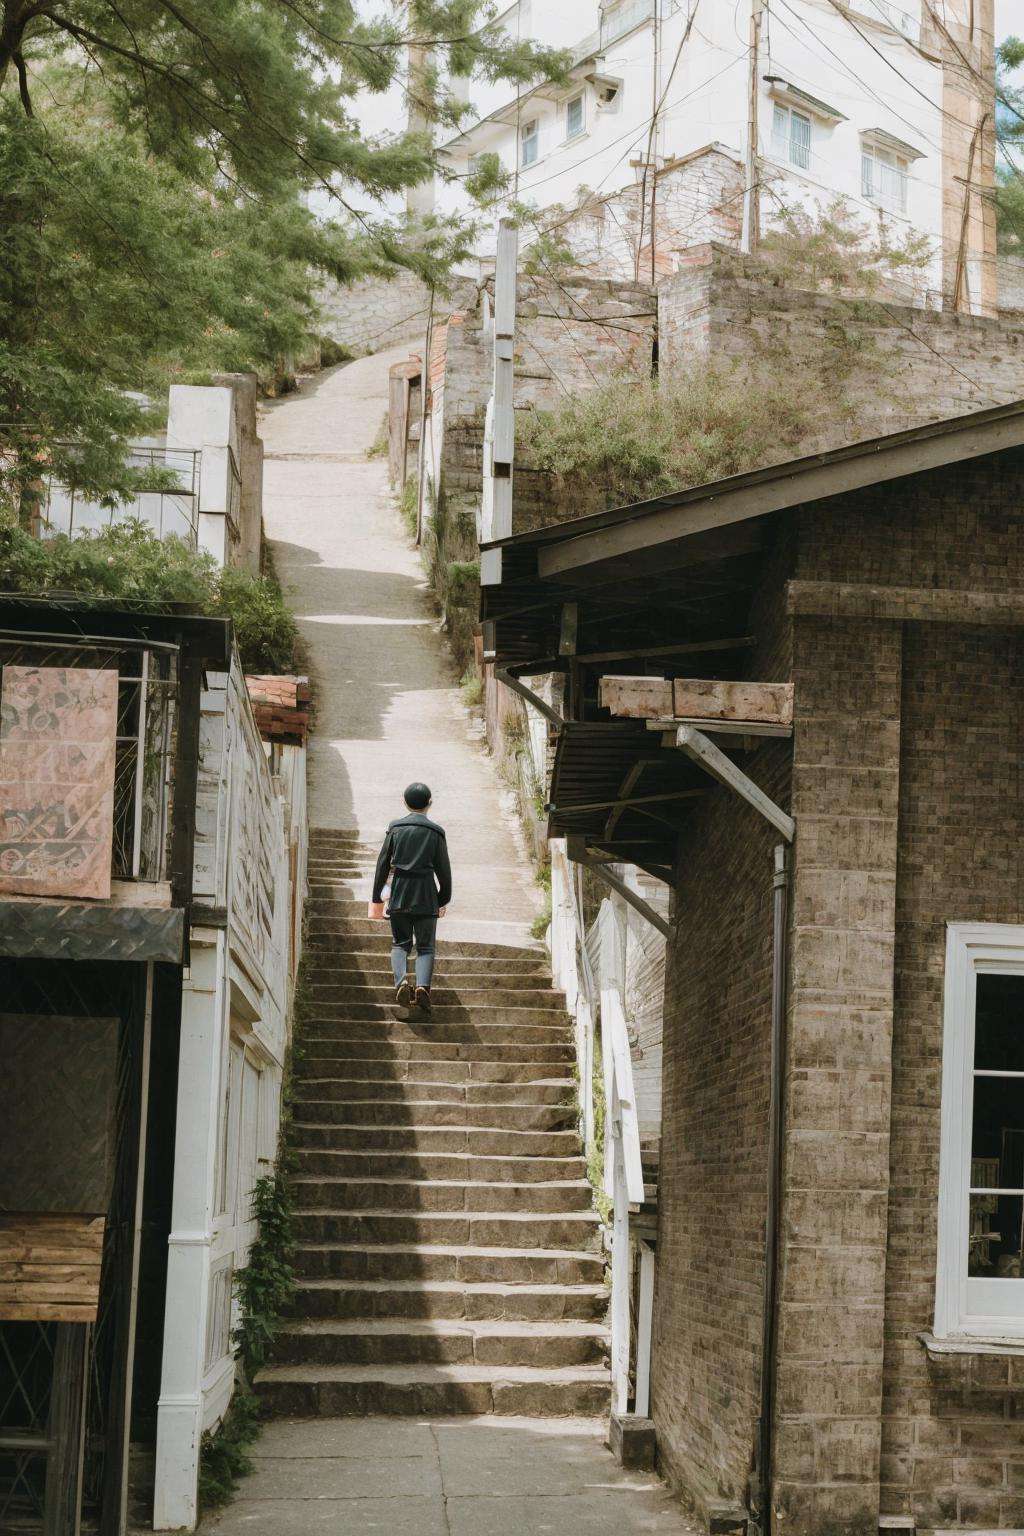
(574,120)
(529,142)
(883,178)
(791,136)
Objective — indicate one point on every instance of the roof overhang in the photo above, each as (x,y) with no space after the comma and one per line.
(886,140)
(794,96)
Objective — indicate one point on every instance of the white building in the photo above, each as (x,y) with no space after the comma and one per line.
(882,104)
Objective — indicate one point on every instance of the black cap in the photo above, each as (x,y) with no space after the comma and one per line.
(417,797)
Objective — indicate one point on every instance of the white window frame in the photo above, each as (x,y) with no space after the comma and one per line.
(529,133)
(982,1308)
(576,133)
(782,143)
(875,159)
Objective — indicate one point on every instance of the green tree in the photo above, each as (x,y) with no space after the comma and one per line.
(1010,127)
(156,162)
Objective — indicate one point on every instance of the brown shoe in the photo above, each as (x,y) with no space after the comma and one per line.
(403,997)
(423,999)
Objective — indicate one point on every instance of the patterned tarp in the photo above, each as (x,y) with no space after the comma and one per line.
(58,730)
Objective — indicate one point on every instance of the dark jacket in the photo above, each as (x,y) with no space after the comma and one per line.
(415,847)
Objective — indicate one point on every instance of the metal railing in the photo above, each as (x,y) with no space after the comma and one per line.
(170,511)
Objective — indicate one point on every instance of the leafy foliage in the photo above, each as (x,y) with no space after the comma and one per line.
(1010,125)
(834,250)
(264,1287)
(223,1457)
(128,563)
(156,161)
(636,438)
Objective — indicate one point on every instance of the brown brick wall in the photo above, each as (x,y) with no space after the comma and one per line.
(953,1434)
(711,1182)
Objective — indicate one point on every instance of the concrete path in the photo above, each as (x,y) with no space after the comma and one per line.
(444,1477)
(388,706)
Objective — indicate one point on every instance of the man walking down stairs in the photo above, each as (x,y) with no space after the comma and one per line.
(449,1254)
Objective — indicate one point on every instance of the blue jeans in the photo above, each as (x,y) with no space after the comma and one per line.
(408,928)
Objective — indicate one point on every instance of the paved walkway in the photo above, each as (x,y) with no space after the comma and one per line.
(444,1477)
(389,710)
(388,707)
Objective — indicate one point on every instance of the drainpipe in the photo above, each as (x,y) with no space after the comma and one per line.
(763,1449)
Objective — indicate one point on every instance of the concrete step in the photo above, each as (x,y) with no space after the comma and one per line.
(375,1047)
(445,1299)
(442,996)
(375,1193)
(397,1341)
(442,1031)
(578,1230)
(373,1069)
(481,1141)
(458,1167)
(324,931)
(518,1013)
(488,975)
(335,1391)
(420,1114)
(461,1262)
(541,1091)
(329,959)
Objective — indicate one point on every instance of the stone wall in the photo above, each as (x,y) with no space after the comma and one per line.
(934,365)
(375,313)
(570,334)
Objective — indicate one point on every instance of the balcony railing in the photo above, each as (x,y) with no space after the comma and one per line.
(169,511)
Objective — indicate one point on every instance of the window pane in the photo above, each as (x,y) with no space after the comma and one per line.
(999,1024)
(867,178)
(995,1237)
(997,1132)
(780,131)
(800,140)
(574,116)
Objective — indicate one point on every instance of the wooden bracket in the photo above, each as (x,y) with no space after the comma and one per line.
(713,760)
(576,849)
(533,699)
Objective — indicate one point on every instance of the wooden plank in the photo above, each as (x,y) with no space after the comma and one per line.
(714,762)
(644,1325)
(576,849)
(50,1267)
(713,699)
(636,698)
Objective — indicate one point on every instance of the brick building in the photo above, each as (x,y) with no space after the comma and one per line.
(839,1330)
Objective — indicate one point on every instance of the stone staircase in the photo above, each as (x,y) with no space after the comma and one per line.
(449,1257)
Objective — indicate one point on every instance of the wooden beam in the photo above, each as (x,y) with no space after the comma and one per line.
(709,699)
(636,698)
(62,1508)
(533,699)
(607,805)
(569,629)
(630,781)
(684,648)
(576,849)
(714,762)
(667,523)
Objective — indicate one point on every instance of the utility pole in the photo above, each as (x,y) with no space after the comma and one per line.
(499,449)
(751,191)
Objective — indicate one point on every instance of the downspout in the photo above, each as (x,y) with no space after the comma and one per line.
(772,1224)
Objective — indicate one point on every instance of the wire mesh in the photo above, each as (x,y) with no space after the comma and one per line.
(26,1378)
